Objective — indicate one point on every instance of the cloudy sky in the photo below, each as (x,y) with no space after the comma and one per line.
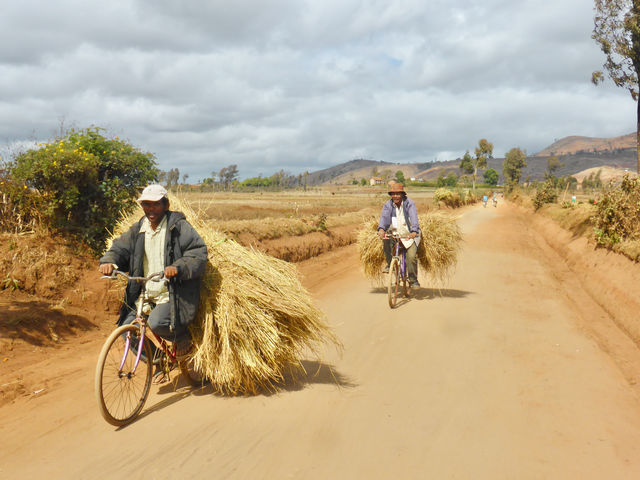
(304,84)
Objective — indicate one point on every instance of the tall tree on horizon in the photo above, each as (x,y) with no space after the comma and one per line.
(514,162)
(617,31)
(471,165)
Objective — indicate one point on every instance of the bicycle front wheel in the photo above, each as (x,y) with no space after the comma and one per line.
(120,391)
(394,282)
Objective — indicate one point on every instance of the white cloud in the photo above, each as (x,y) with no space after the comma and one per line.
(302,85)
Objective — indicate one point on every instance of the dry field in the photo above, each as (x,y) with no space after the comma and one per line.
(296,225)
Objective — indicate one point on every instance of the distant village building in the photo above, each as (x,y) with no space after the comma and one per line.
(376,181)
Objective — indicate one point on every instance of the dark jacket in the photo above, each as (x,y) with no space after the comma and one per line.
(184,249)
(410,215)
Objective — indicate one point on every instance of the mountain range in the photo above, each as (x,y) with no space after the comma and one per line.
(575,153)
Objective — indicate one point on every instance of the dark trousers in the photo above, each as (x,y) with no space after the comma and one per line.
(386,246)
(411,259)
(160,323)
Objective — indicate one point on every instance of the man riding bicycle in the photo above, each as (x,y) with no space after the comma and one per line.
(161,241)
(400,213)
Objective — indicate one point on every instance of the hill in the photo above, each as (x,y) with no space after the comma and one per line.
(606,173)
(575,144)
(575,153)
(344,173)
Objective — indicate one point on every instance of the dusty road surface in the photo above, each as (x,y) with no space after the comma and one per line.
(495,376)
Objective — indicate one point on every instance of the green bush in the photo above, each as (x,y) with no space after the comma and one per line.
(83,182)
(617,214)
(545,193)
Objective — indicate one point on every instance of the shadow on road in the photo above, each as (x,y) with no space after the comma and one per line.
(40,323)
(427,293)
(313,372)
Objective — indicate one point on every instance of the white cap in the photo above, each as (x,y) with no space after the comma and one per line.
(153,193)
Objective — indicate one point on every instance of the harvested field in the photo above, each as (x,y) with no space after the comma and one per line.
(295,226)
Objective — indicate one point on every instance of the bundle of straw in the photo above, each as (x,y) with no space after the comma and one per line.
(255,320)
(437,252)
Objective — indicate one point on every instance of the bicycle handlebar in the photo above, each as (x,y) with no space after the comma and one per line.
(154,277)
(396,236)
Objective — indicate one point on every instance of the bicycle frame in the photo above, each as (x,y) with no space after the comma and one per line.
(401,253)
(141,320)
(122,384)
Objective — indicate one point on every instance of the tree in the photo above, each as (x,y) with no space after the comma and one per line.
(617,30)
(451,180)
(466,164)
(400,176)
(173,176)
(364,182)
(227,175)
(553,164)
(470,165)
(514,162)
(184,177)
(491,176)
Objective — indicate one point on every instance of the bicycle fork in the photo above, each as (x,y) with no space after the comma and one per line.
(403,265)
(127,347)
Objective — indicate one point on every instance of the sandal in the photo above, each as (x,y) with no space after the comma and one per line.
(160,378)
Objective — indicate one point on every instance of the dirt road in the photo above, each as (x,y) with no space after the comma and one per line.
(494,376)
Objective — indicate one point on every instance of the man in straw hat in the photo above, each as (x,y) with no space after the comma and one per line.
(401,215)
(161,241)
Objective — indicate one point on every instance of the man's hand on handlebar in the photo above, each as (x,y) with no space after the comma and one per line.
(382,234)
(106,269)
(170,271)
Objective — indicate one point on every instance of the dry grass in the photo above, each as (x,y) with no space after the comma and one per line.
(437,253)
(255,321)
(578,219)
(440,245)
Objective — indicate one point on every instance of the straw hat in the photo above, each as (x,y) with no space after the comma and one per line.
(396,188)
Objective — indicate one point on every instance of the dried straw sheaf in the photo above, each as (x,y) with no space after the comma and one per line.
(255,320)
(437,252)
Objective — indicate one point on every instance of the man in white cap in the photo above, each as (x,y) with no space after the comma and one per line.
(164,241)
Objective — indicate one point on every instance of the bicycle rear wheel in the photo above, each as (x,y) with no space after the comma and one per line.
(194,376)
(121,393)
(394,282)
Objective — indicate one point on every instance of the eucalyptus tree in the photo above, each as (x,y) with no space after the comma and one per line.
(514,162)
(617,31)
(471,165)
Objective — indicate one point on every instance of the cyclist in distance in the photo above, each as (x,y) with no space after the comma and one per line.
(164,241)
(401,215)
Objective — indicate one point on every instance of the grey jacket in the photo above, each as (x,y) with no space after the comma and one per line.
(184,249)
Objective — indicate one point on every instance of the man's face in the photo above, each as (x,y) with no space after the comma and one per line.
(397,198)
(154,211)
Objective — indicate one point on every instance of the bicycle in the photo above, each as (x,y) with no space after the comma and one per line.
(397,271)
(123,373)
